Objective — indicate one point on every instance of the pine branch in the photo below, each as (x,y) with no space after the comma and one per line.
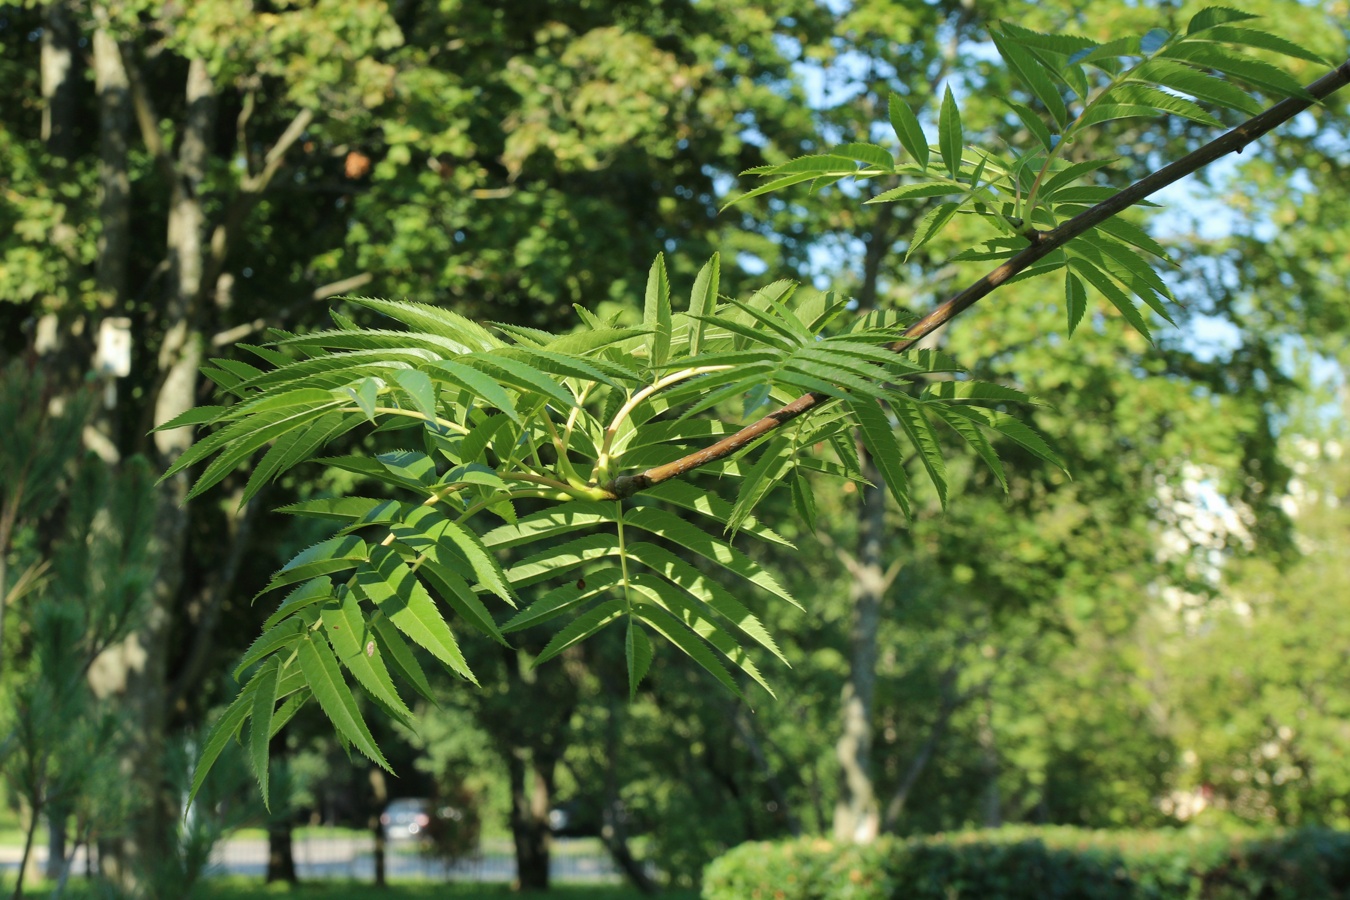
(1043,244)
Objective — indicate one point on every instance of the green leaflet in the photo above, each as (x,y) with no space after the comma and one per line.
(877,437)
(869,154)
(1033,124)
(335,698)
(638,653)
(399,656)
(705,591)
(692,616)
(581,628)
(977,441)
(703,300)
(672,528)
(425,523)
(559,560)
(333,555)
(930,225)
(288,710)
(225,729)
(707,503)
(763,476)
(275,638)
(1013,429)
(478,384)
(561,599)
(455,591)
(656,313)
(1103,283)
(561,519)
(914,422)
(960,391)
(803,500)
(1075,299)
(260,730)
(919,190)
(523,377)
(396,592)
(950,136)
(908,130)
(353,642)
(679,634)
(435,319)
(1029,69)
(420,390)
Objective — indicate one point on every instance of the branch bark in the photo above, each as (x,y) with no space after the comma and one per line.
(1233,141)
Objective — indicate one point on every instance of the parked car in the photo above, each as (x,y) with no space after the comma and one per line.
(406,818)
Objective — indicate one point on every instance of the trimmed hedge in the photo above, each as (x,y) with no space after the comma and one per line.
(1023,863)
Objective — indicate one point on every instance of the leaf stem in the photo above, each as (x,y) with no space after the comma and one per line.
(411,414)
(602,463)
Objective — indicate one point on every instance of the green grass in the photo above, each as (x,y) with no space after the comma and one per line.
(244,888)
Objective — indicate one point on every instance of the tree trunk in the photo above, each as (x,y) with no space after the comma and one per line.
(145,653)
(379,799)
(857,817)
(114,241)
(948,704)
(531,775)
(59,82)
(993,801)
(26,860)
(57,815)
(114,116)
(280,849)
(746,729)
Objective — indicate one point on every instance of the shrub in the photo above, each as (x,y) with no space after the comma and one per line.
(1042,864)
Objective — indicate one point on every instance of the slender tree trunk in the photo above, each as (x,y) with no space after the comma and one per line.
(57,814)
(948,704)
(59,84)
(280,849)
(114,115)
(114,242)
(379,798)
(145,654)
(746,729)
(856,815)
(26,859)
(531,775)
(993,801)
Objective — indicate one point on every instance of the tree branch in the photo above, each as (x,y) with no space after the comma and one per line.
(1233,141)
(251,187)
(146,117)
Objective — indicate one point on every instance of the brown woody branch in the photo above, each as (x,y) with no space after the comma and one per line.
(1232,142)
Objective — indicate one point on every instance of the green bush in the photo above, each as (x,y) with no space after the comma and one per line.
(1042,864)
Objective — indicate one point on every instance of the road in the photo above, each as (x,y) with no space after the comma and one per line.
(321,857)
